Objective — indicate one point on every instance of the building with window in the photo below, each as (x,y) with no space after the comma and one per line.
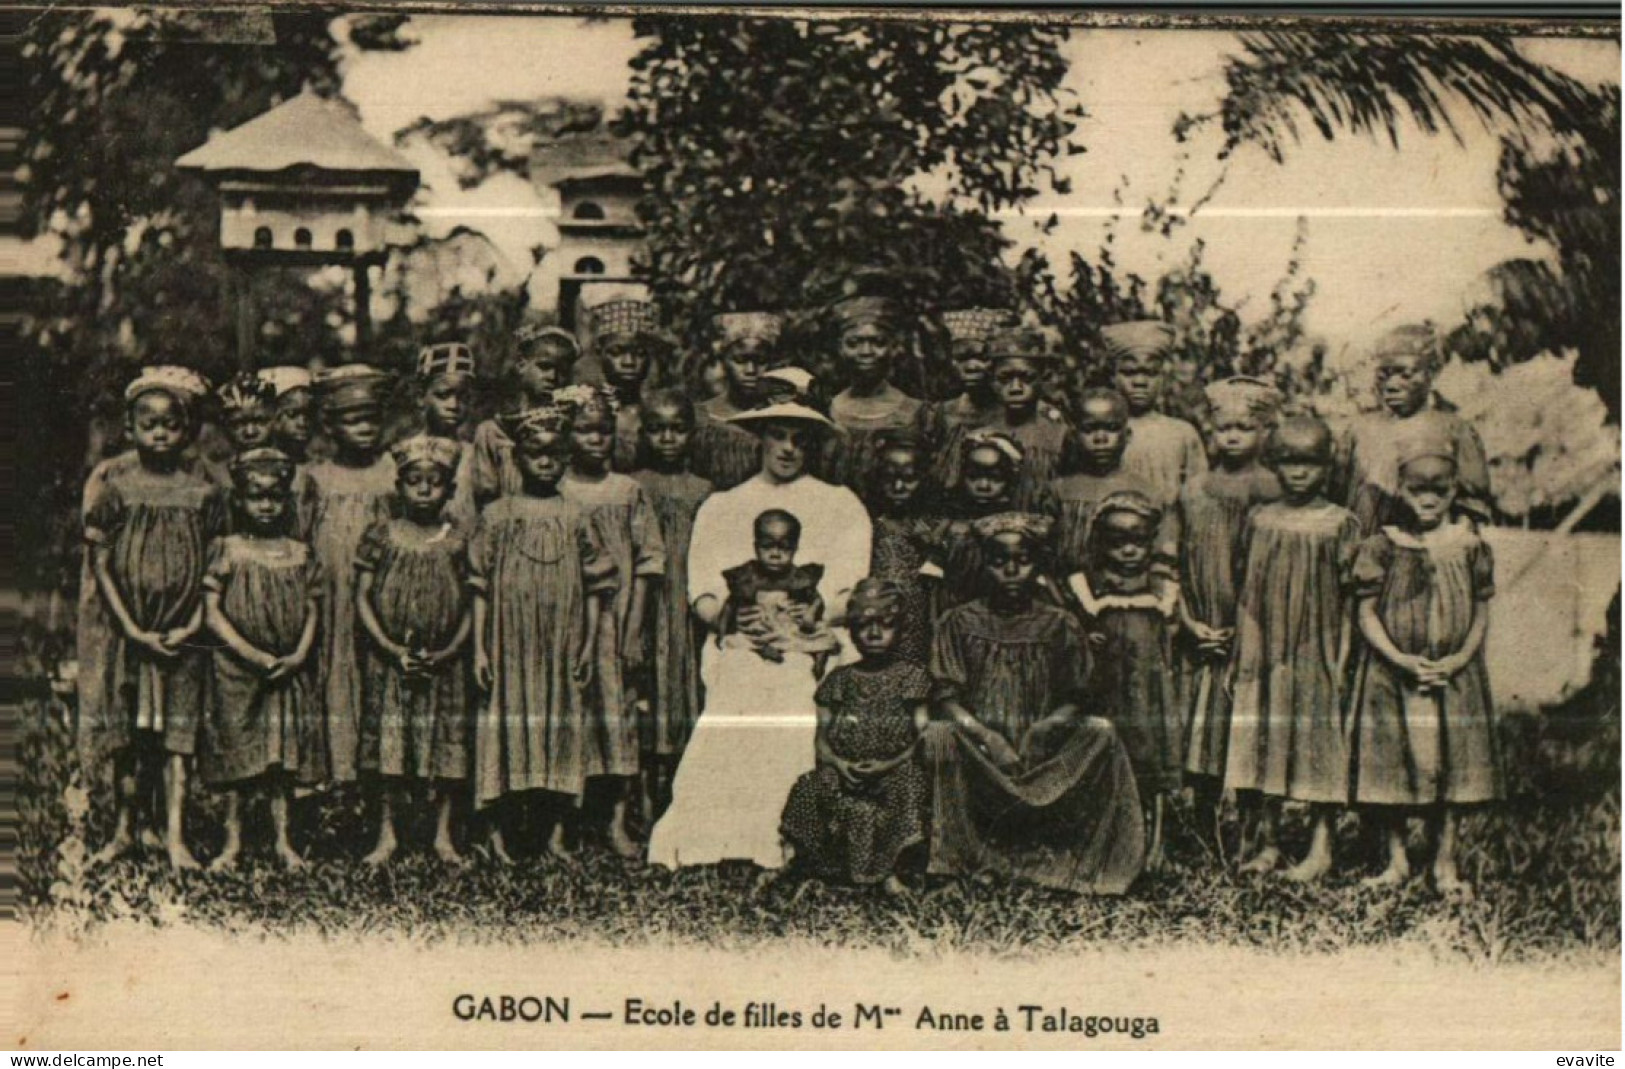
(599,233)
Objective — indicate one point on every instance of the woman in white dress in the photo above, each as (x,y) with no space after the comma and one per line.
(756,734)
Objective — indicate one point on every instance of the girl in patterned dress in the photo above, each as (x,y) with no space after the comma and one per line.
(412,601)
(905,536)
(261,601)
(855,816)
(542,363)
(1292,644)
(626,525)
(675,493)
(1423,726)
(1213,509)
(1128,615)
(445,391)
(353,489)
(148,517)
(542,581)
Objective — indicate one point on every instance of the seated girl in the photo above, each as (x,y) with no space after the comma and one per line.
(855,816)
(1023,782)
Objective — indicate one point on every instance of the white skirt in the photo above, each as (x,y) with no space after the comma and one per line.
(755,738)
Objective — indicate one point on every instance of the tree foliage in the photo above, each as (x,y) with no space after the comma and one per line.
(1212,338)
(783,155)
(116,96)
(1559,172)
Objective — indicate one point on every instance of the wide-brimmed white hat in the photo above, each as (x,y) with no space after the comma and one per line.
(789,412)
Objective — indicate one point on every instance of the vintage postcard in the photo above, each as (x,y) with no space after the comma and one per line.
(824,529)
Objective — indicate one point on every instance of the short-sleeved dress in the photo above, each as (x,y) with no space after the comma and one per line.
(857,834)
(416,727)
(1366,474)
(902,546)
(348,501)
(536,560)
(1077,496)
(1069,817)
(256,725)
(852,454)
(492,472)
(724,454)
(156,528)
(1414,747)
(1286,723)
(1165,451)
(1011,671)
(1213,510)
(674,640)
(627,527)
(1133,681)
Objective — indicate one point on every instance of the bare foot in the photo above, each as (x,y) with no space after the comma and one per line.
(227,858)
(1309,869)
(123,842)
(558,847)
(289,857)
(151,841)
(1264,861)
(380,855)
(623,844)
(1156,859)
(894,888)
(1395,875)
(1449,884)
(499,849)
(181,859)
(447,852)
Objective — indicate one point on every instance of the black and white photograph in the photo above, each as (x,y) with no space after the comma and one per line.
(794,528)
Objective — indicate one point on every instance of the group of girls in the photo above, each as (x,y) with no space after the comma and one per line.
(503,616)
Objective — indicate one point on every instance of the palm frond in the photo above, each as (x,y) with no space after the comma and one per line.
(1369,83)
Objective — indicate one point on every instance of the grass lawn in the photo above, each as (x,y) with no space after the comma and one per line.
(1546,866)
